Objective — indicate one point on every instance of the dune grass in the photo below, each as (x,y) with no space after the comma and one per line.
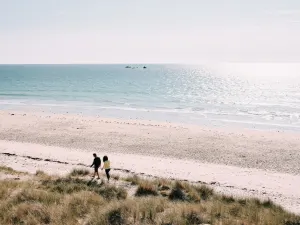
(79,172)
(9,170)
(146,188)
(134,180)
(79,200)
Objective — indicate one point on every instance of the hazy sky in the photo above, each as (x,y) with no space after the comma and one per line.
(141,31)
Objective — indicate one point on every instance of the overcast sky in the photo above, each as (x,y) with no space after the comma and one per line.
(149,31)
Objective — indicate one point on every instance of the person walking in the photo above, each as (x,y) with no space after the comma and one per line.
(106,166)
(96,164)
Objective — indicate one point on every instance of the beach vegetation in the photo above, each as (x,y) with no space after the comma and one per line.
(10,171)
(115,176)
(134,180)
(146,188)
(79,172)
(40,173)
(80,200)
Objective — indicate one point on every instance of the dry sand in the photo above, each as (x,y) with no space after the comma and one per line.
(238,162)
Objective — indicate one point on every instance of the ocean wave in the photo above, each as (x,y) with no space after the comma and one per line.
(108,105)
(267,124)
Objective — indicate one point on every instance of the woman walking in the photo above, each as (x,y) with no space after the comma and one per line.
(106,166)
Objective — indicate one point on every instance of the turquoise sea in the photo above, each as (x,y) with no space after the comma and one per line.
(255,95)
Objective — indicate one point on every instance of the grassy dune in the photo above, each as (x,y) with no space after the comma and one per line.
(75,199)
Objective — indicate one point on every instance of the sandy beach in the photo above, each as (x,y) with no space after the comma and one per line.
(240,162)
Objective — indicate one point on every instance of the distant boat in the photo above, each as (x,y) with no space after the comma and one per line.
(127,67)
(144,67)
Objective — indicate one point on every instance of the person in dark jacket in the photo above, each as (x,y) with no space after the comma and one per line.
(96,164)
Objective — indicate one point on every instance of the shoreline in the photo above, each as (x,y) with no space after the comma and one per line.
(157,116)
(225,159)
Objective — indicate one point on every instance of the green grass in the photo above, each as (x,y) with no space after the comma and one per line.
(74,200)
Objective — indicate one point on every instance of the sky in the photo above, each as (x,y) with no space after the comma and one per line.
(149,31)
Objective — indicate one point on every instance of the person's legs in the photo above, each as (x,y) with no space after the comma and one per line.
(107,174)
(96,172)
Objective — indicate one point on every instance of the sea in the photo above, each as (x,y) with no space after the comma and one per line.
(248,95)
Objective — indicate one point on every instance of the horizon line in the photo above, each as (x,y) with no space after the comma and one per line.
(159,63)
